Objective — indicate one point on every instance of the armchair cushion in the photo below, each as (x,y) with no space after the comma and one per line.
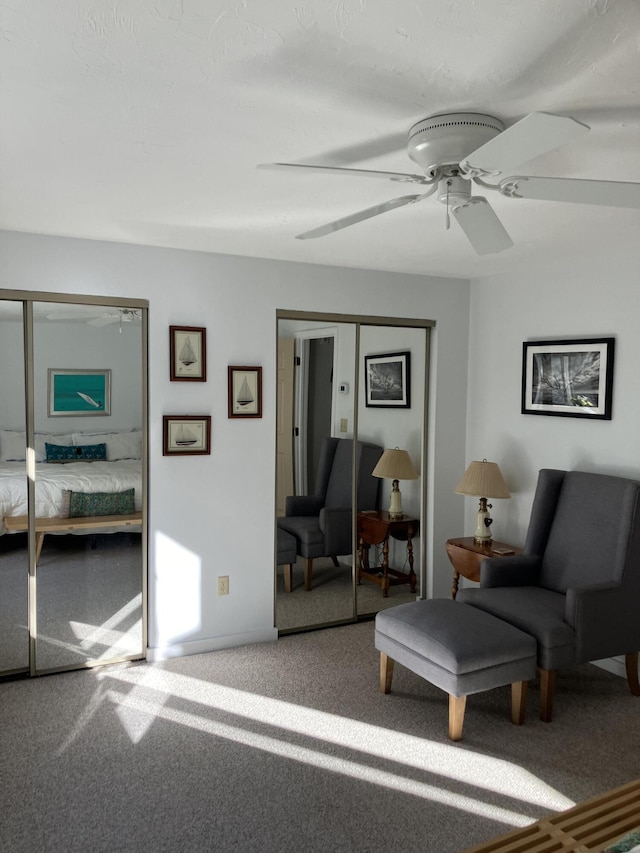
(516,571)
(536,611)
(303,505)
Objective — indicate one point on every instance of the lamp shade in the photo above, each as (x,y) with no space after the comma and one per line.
(483,480)
(395,464)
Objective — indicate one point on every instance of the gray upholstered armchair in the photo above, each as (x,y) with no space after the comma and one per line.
(576,587)
(322,522)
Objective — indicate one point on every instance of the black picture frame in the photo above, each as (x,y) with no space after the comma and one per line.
(388,380)
(568,378)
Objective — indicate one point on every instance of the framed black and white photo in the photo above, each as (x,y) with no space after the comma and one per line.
(570,378)
(186,435)
(244,392)
(388,380)
(188,354)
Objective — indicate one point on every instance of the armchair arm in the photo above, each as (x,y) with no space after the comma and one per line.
(302,505)
(335,523)
(520,570)
(605,619)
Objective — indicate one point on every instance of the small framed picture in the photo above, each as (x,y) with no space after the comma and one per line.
(245,392)
(388,380)
(186,435)
(188,353)
(78,392)
(570,378)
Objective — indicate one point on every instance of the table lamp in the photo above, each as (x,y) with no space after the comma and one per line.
(396,465)
(483,480)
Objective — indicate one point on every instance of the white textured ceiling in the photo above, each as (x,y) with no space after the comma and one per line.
(143,120)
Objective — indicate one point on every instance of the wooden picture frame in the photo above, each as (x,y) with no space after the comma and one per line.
(568,378)
(244,392)
(387,380)
(186,435)
(188,354)
(78,393)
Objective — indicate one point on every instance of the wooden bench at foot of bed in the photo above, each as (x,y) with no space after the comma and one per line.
(589,826)
(18,523)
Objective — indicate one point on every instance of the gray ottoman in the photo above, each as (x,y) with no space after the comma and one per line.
(458,648)
(286,553)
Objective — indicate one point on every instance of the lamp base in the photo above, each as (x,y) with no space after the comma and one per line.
(484,521)
(395,502)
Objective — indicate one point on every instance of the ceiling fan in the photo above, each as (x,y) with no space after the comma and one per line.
(99,318)
(456,150)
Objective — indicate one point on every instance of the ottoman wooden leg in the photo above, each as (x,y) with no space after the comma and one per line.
(456,716)
(518,701)
(386,672)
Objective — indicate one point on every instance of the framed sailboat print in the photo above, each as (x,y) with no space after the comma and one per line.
(188,353)
(186,435)
(245,392)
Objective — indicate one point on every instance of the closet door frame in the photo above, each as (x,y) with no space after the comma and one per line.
(358,321)
(27,298)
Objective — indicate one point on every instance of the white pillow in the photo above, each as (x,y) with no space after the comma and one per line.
(13,443)
(120,445)
(43,438)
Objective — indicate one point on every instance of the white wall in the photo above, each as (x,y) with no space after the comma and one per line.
(593,299)
(215,515)
(64,345)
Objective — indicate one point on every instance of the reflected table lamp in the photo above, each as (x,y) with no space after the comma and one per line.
(395,465)
(483,480)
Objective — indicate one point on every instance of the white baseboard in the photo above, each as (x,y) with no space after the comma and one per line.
(614,665)
(214,644)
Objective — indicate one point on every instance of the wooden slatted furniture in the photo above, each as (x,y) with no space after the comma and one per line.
(586,828)
(19,523)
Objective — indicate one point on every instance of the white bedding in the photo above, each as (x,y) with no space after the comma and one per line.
(53,479)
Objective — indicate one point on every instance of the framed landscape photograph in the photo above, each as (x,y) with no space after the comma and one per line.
(188,353)
(570,378)
(78,392)
(388,380)
(186,435)
(245,392)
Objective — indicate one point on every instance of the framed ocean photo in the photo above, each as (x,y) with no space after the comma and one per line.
(78,392)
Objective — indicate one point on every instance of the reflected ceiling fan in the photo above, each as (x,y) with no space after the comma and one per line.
(457,150)
(99,318)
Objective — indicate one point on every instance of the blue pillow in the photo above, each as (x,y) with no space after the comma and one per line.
(84,453)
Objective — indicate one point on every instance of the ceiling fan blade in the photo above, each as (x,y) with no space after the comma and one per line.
(530,137)
(338,170)
(104,321)
(481,226)
(577,190)
(346,221)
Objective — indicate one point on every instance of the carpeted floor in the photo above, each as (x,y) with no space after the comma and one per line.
(288,747)
(331,598)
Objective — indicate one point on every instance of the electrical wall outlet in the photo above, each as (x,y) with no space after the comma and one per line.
(223,585)
(344,424)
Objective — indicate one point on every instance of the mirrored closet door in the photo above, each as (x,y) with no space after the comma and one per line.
(353,432)
(79,509)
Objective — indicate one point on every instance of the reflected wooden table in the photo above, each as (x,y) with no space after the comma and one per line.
(376,528)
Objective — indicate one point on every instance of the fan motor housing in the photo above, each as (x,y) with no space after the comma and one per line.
(447,138)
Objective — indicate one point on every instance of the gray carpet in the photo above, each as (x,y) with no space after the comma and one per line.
(89,600)
(289,746)
(331,598)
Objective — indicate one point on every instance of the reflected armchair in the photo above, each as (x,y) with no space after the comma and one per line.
(322,522)
(576,587)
